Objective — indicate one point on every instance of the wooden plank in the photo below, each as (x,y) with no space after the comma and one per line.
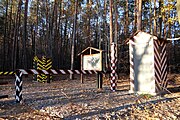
(123,85)
(123,88)
(3,96)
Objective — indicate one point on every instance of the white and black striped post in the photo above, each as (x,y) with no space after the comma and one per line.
(113,67)
(18,86)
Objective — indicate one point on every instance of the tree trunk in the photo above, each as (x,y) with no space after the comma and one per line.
(105,36)
(48,44)
(135,14)
(73,39)
(88,39)
(99,25)
(111,21)
(5,36)
(15,49)
(126,20)
(65,42)
(25,36)
(60,60)
(160,19)
(36,28)
(155,26)
(139,15)
(10,41)
(55,34)
(151,30)
(116,31)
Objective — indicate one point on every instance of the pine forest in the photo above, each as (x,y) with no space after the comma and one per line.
(59,28)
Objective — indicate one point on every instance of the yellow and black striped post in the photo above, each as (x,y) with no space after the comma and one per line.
(44,64)
(40,66)
(47,66)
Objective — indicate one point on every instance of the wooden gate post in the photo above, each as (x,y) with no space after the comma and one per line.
(99,81)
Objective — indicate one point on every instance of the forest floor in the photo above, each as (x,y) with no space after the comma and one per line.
(69,99)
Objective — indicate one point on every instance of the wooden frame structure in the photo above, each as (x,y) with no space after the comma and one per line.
(90,51)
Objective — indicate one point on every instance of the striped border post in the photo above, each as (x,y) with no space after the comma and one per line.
(40,66)
(113,67)
(131,60)
(43,64)
(160,58)
(18,86)
(157,66)
(164,65)
(48,66)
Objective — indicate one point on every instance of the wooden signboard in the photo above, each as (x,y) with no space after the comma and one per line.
(92,62)
(91,59)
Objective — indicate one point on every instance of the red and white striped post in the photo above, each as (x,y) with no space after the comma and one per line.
(131,60)
(113,67)
(160,65)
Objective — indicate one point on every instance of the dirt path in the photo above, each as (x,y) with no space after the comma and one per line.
(69,99)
